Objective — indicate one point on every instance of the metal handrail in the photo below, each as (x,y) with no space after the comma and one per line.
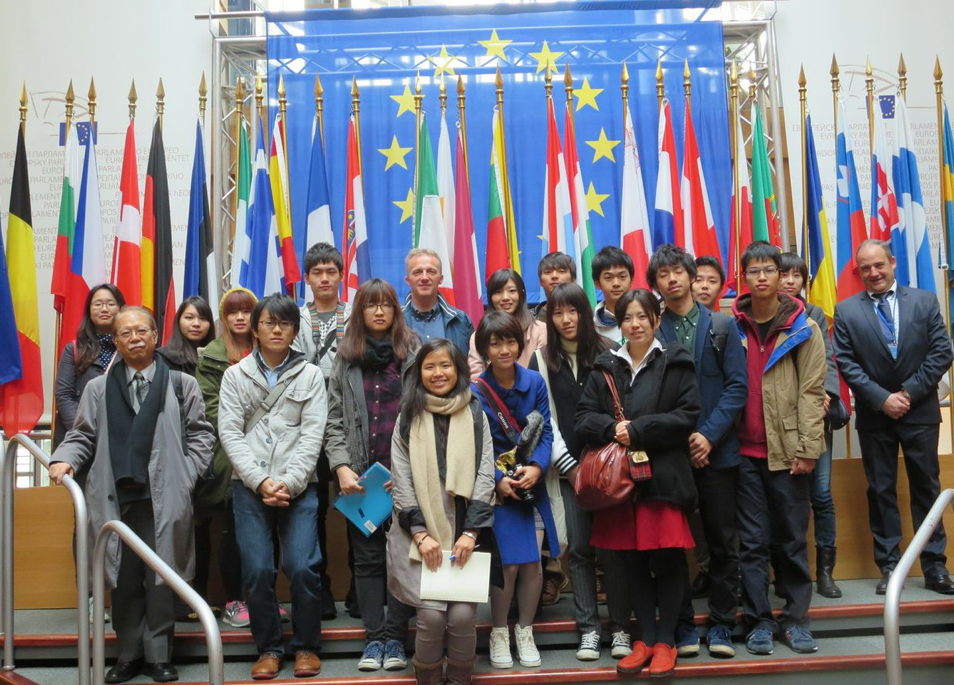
(892,597)
(175,582)
(7,476)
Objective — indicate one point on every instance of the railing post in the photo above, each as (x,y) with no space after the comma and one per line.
(9,461)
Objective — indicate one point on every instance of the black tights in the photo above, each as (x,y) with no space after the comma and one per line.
(647,582)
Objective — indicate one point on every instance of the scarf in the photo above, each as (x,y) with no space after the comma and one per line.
(107,348)
(377,353)
(130,434)
(570,347)
(461,464)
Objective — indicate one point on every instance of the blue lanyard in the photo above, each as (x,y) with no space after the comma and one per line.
(894,315)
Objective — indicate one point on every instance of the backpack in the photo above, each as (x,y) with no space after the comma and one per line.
(719,335)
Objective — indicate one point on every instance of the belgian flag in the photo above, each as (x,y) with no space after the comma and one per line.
(158,289)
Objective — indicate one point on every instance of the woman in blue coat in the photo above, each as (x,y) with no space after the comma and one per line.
(522,519)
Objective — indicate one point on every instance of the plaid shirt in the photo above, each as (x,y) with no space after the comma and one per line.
(382,394)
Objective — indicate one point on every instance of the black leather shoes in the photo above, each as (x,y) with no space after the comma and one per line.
(124,670)
(882,587)
(940,583)
(162,672)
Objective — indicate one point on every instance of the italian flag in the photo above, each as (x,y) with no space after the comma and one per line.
(428,215)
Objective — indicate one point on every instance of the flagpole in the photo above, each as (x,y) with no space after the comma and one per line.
(418,104)
(939,94)
(803,105)
(160,102)
(660,86)
(869,89)
(70,98)
(623,89)
(903,78)
(282,107)
(320,108)
(203,93)
(92,109)
(239,119)
(356,108)
(734,138)
(463,123)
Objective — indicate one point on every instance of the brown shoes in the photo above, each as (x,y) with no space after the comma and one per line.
(307,664)
(267,666)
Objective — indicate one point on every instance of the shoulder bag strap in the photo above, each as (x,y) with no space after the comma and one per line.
(268,403)
(504,418)
(617,405)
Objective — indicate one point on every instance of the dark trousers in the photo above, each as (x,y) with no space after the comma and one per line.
(230,565)
(371,587)
(773,508)
(581,557)
(879,454)
(646,581)
(255,526)
(143,612)
(717,504)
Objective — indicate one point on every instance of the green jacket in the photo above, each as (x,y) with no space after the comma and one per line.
(211,493)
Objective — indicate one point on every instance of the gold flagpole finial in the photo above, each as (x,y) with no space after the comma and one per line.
(355,95)
(418,93)
(259,95)
(686,77)
(443,96)
(23,106)
(160,101)
(132,97)
(753,84)
(463,120)
(835,72)
(239,93)
(203,96)
(660,86)
(498,82)
(938,74)
(319,95)
(548,84)
(624,83)
(92,100)
(903,77)
(802,83)
(734,76)
(70,99)
(282,100)
(568,84)
(460,87)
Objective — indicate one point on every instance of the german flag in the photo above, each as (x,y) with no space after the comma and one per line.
(158,289)
(22,399)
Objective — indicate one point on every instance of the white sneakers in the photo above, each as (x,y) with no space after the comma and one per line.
(622,644)
(589,649)
(500,648)
(527,652)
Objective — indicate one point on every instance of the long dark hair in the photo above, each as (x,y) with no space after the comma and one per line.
(590,344)
(353,344)
(86,350)
(180,350)
(414,392)
(498,279)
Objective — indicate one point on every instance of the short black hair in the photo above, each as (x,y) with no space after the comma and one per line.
(647,300)
(609,257)
(761,251)
(790,261)
(556,260)
(280,307)
(669,255)
(321,253)
(501,324)
(712,262)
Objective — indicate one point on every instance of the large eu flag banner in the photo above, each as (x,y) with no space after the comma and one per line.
(385,49)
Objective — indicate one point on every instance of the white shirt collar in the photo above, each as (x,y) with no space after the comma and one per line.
(636,367)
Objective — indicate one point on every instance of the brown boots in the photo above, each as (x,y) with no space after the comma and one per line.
(428,674)
(460,672)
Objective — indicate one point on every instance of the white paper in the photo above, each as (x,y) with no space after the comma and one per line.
(455,584)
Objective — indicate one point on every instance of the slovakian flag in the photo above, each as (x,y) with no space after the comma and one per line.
(262,271)
(278,173)
(634,229)
(741,224)
(817,253)
(354,239)
(318,208)
(946,250)
(907,186)
(852,228)
(242,246)
(127,260)
(11,365)
(466,267)
(158,288)
(582,231)
(201,276)
(428,216)
(87,262)
(446,188)
(498,229)
(557,212)
(765,223)
(885,221)
(698,227)
(668,218)
(22,398)
(66,228)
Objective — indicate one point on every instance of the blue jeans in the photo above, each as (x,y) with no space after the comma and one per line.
(297,528)
(823,506)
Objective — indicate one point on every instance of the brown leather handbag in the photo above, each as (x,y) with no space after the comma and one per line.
(608,473)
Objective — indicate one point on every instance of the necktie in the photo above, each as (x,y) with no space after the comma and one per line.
(141,387)
(887,319)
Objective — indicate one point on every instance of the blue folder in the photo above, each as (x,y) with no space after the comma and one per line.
(370,510)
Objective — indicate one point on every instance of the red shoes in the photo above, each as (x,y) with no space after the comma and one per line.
(664,661)
(661,660)
(636,661)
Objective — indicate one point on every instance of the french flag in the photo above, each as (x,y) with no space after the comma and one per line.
(357,261)
(698,236)
(907,185)
(852,230)
(668,219)
(634,216)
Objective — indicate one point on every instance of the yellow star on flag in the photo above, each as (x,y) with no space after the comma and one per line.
(602,147)
(546,59)
(395,154)
(586,96)
(443,62)
(594,200)
(495,46)
(405,100)
(406,206)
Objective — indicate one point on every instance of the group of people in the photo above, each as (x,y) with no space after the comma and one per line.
(483,432)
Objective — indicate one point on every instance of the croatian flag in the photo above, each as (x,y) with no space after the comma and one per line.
(698,236)
(318,209)
(357,262)
(668,220)
(852,230)
(907,185)
(634,217)
(262,273)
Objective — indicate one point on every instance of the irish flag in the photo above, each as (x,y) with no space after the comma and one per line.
(241,253)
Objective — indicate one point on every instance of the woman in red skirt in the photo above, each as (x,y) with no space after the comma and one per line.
(644,541)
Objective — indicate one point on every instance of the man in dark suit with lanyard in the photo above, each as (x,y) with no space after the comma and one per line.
(892,349)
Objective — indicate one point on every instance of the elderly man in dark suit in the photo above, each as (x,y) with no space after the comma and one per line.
(892,349)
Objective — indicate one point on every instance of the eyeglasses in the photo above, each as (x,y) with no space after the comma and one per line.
(757,271)
(127,333)
(385,307)
(104,304)
(269,324)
